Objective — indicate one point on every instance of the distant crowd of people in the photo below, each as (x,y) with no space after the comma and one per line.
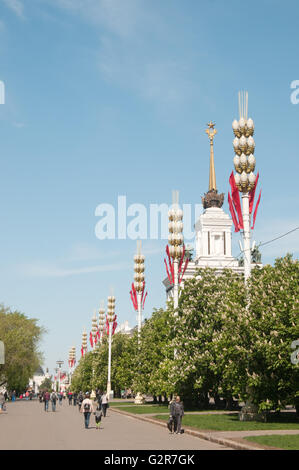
(87,406)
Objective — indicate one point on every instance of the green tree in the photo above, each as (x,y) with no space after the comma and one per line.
(82,376)
(273,324)
(204,343)
(21,336)
(46,385)
(154,352)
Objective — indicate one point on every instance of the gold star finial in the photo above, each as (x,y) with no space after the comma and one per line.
(211,131)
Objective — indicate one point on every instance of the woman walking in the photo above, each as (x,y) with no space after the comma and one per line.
(87,408)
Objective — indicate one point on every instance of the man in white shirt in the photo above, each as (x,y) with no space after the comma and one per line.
(87,408)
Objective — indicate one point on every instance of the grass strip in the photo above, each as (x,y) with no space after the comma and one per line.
(281,441)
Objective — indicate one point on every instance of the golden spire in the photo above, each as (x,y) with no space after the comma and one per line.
(211,134)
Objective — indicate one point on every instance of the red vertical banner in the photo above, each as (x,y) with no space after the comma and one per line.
(252,194)
(233,214)
(170,280)
(185,267)
(236,199)
(255,210)
(144,299)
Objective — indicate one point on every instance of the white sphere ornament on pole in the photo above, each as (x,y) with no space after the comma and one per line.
(94,332)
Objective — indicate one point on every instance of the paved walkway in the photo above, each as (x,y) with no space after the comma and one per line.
(26,425)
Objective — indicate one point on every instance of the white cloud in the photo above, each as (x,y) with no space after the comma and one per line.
(87,251)
(48,270)
(119,17)
(137,49)
(16,6)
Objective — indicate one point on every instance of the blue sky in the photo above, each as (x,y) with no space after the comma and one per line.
(111,97)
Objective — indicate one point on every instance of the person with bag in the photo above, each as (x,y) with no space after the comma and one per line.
(177,413)
(60,397)
(53,398)
(87,408)
(80,400)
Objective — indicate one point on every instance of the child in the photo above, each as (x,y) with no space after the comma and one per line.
(98,416)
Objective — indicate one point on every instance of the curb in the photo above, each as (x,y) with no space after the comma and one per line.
(200,434)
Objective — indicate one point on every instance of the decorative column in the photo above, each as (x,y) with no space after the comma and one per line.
(110,318)
(94,332)
(72,361)
(84,343)
(175,240)
(138,294)
(138,297)
(101,322)
(245,179)
(245,182)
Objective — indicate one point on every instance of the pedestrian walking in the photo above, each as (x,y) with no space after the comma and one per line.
(2,402)
(70,397)
(99,398)
(98,416)
(80,400)
(104,400)
(87,408)
(177,413)
(75,397)
(46,400)
(13,396)
(53,398)
(60,397)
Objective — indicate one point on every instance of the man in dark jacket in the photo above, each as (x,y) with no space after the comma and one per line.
(46,400)
(177,413)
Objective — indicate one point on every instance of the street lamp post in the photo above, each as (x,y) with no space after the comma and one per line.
(110,318)
(59,363)
(56,386)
